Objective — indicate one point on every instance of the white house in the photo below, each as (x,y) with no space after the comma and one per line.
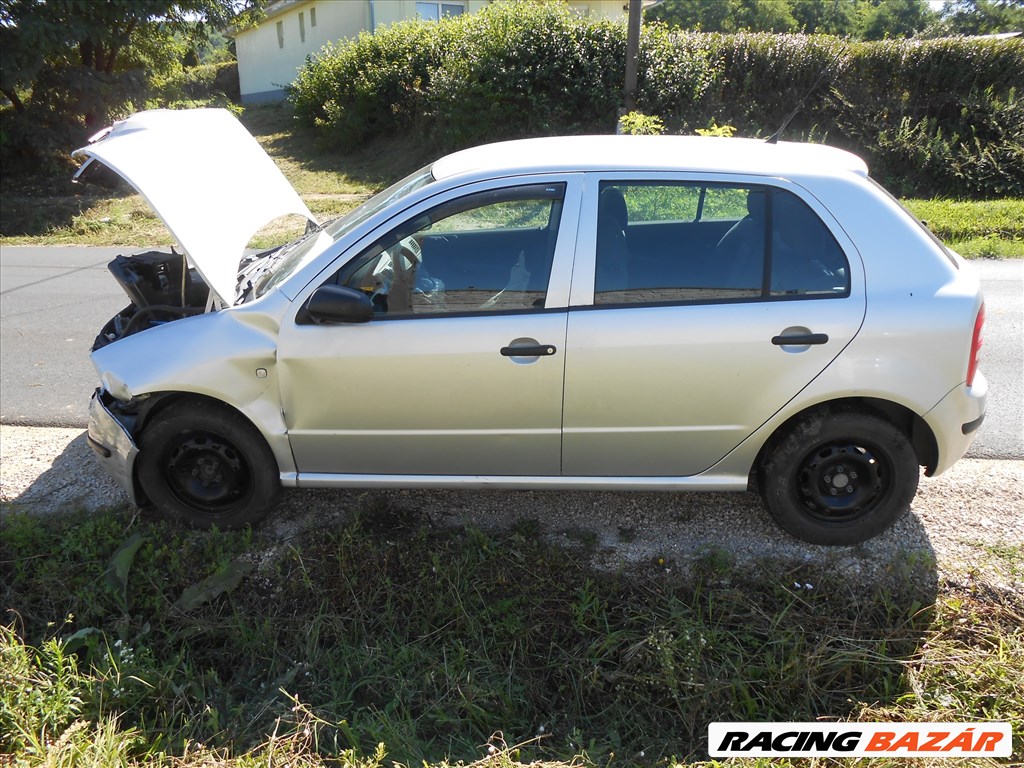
(270,54)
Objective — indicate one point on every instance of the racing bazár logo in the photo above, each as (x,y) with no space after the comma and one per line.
(860,739)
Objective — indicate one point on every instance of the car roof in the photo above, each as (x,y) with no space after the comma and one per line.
(649,153)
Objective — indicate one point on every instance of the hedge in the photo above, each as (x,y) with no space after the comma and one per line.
(930,116)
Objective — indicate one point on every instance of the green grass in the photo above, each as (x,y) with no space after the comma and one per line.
(53,211)
(443,644)
(978,229)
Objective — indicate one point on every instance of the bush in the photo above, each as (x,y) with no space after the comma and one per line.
(373,85)
(930,117)
(638,124)
(205,83)
(527,69)
(939,116)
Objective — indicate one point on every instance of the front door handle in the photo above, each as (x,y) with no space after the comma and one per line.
(536,350)
(800,339)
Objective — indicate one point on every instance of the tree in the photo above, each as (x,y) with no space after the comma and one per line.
(828,17)
(68,66)
(982,17)
(897,18)
(726,15)
(706,15)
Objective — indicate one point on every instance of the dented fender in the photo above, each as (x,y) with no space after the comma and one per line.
(229,355)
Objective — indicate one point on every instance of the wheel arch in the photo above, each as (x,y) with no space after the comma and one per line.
(157,403)
(920,435)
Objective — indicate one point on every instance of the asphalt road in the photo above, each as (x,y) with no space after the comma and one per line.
(53,302)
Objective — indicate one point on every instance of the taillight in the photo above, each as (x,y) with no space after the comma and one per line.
(972,365)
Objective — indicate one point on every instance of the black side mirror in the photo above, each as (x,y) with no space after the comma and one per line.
(337,304)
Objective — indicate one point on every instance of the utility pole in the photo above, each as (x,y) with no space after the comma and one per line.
(636,12)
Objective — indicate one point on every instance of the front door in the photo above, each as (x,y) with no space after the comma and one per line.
(460,370)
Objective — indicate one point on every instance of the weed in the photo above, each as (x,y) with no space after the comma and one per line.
(452,645)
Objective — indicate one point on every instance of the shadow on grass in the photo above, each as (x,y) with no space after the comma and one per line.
(48,204)
(31,207)
(374,166)
(398,618)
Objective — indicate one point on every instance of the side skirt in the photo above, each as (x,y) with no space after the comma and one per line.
(553,483)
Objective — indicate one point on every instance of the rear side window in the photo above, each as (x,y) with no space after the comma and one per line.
(676,242)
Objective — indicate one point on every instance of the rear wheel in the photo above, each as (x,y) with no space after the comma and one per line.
(207,466)
(839,478)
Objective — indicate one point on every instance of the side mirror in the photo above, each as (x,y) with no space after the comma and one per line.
(337,304)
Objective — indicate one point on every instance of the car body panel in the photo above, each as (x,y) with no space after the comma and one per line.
(717,481)
(229,356)
(623,420)
(213,195)
(648,153)
(113,445)
(424,396)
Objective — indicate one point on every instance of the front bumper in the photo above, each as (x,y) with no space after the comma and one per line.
(112,444)
(955,421)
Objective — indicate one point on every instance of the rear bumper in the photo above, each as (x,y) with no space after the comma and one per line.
(112,444)
(955,421)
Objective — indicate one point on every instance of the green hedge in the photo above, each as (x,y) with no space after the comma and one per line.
(930,117)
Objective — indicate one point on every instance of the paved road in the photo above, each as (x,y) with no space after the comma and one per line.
(53,301)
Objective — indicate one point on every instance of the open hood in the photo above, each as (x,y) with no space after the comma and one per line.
(207,179)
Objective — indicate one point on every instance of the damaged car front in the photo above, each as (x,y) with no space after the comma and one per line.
(203,335)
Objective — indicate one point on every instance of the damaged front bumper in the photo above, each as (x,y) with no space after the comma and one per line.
(112,443)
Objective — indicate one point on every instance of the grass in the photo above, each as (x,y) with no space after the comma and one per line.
(378,637)
(979,229)
(52,211)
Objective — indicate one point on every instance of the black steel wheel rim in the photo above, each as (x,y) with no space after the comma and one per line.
(842,481)
(207,473)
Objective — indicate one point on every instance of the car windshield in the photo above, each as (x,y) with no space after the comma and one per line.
(298,252)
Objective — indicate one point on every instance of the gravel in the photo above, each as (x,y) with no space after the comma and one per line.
(963,525)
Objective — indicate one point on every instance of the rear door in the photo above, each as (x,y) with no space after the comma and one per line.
(722,299)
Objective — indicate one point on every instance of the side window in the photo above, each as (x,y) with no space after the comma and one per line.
(487,252)
(806,259)
(676,242)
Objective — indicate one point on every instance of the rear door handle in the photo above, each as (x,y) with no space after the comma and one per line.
(537,350)
(800,339)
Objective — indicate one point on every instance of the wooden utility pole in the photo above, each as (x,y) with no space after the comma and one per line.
(636,11)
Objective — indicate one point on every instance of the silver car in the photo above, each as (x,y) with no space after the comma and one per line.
(599,312)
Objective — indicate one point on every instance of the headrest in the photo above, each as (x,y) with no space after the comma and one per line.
(612,205)
(755,203)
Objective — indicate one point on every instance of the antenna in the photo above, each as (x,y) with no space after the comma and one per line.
(774,138)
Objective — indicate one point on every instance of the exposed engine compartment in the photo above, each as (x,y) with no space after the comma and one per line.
(162,288)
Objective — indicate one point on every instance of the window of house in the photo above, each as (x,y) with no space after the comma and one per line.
(280,34)
(679,242)
(312,17)
(487,252)
(302,27)
(432,11)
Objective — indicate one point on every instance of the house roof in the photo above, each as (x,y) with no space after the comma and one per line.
(277,7)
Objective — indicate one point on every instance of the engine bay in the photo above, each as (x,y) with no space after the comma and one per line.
(162,288)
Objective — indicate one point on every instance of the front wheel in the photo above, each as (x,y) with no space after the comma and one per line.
(207,466)
(839,478)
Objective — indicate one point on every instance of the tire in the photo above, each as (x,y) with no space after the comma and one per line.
(839,477)
(206,466)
